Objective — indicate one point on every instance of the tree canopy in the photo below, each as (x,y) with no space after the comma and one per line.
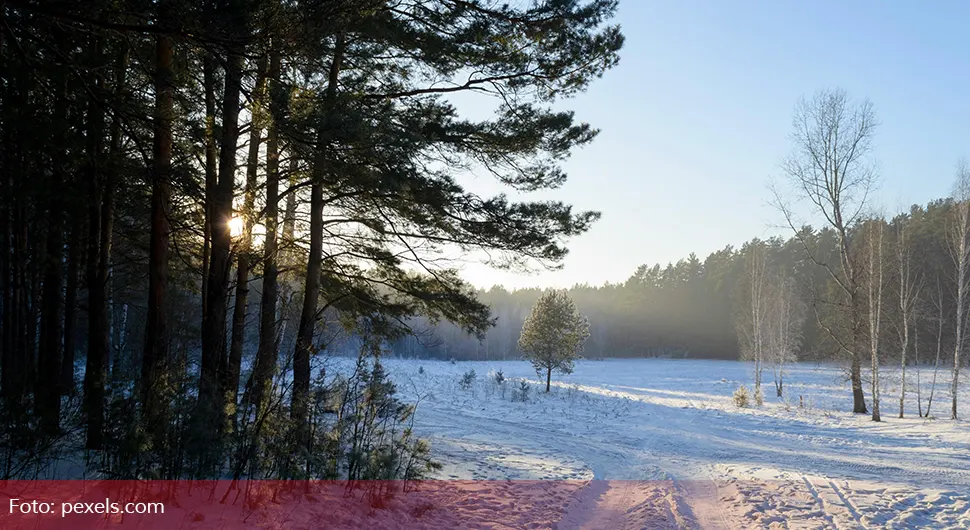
(312,152)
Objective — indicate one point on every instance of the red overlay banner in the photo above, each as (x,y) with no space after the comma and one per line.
(78,504)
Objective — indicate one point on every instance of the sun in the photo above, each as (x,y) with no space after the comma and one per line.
(235,227)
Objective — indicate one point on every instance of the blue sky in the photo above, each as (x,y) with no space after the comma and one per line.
(696,117)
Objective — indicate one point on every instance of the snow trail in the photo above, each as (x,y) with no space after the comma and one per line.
(676,452)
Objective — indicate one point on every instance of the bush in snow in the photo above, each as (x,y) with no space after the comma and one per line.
(759,398)
(499,377)
(467,380)
(359,429)
(742,397)
(521,393)
(421,370)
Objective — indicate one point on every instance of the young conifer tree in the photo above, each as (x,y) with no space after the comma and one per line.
(553,334)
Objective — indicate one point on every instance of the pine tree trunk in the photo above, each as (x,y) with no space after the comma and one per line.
(208,75)
(34,270)
(6,285)
(101,214)
(266,354)
(66,383)
(243,263)
(94,368)
(47,394)
(156,346)
(18,383)
(289,211)
(214,367)
(304,337)
(548,378)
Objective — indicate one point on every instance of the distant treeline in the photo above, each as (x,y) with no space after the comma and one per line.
(688,308)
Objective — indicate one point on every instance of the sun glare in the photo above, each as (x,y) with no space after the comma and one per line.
(235,227)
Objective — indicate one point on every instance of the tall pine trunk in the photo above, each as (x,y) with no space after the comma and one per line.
(214,365)
(208,76)
(304,336)
(266,354)
(6,285)
(47,393)
(244,263)
(101,214)
(94,368)
(18,383)
(74,253)
(156,349)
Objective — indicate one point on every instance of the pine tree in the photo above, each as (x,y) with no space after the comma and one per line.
(553,334)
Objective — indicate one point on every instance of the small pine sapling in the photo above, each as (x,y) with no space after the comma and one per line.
(467,380)
(742,397)
(521,393)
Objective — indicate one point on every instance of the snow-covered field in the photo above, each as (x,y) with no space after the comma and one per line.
(667,447)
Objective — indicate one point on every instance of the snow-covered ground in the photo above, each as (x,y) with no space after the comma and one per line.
(667,446)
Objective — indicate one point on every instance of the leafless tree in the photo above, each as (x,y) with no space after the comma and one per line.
(874,288)
(910,284)
(959,246)
(940,320)
(787,314)
(752,321)
(830,167)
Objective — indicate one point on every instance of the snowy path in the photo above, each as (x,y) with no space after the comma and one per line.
(663,456)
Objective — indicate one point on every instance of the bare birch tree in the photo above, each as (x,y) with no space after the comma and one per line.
(874,284)
(940,320)
(787,315)
(830,167)
(752,320)
(959,246)
(910,284)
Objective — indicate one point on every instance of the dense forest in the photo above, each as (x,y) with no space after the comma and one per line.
(201,200)
(690,308)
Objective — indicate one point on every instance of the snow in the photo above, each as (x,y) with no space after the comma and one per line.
(623,444)
(660,443)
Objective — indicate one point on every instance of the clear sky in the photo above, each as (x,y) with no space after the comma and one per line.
(696,117)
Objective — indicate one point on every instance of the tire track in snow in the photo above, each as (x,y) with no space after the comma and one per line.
(843,495)
(702,495)
(821,503)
